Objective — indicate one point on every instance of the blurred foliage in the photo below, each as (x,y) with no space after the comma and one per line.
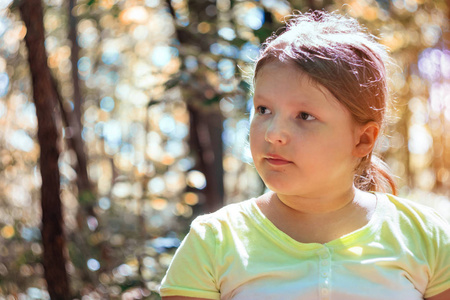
(141,64)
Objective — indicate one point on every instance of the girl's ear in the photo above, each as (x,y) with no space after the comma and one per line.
(366,137)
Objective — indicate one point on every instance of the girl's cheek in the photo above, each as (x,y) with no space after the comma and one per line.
(252,124)
(256,127)
(254,133)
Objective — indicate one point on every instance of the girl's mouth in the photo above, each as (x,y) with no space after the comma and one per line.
(276,160)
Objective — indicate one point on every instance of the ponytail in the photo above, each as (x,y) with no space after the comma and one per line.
(373,174)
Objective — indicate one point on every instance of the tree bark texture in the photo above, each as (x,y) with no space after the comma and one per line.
(45,98)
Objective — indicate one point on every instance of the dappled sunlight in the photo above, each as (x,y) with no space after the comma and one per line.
(144,74)
(356,250)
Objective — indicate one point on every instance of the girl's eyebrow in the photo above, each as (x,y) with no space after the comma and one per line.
(259,96)
(297,103)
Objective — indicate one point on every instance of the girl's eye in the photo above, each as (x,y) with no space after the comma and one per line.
(306,117)
(262,110)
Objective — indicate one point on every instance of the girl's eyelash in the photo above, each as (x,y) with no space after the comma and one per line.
(305,116)
(302,115)
(260,108)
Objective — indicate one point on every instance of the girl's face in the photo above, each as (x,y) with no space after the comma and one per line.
(302,139)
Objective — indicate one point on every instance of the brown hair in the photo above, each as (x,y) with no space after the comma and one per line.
(338,53)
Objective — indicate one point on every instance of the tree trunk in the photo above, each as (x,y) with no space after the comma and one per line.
(206,127)
(206,141)
(45,98)
(86,194)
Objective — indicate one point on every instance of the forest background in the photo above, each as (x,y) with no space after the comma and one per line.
(121,120)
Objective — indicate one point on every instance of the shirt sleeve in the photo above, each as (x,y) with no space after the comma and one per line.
(191,272)
(439,280)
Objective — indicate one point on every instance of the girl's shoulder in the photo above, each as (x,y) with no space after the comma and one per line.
(406,205)
(412,214)
(234,214)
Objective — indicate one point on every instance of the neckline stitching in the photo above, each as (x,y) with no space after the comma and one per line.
(353,238)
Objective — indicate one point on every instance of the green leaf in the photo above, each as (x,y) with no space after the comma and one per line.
(238,42)
(263,33)
(86,198)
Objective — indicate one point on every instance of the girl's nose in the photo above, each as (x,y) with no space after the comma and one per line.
(276,133)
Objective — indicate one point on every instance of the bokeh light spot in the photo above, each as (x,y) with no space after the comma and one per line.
(420,140)
(21,141)
(112,133)
(159,203)
(84,64)
(152,3)
(226,68)
(107,104)
(4,84)
(93,264)
(92,223)
(196,179)
(35,293)
(167,124)
(190,198)
(134,14)
(161,56)
(110,57)
(203,27)
(175,148)
(185,164)
(156,185)
(227,33)
(8,231)
(249,52)
(125,270)
(191,63)
(121,189)
(254,18)
(104,203)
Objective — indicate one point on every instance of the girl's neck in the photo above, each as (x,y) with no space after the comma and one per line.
(324,204)
(318,220)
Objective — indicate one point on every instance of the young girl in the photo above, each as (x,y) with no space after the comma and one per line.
(326,230)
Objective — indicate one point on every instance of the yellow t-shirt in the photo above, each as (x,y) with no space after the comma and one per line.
(237,253)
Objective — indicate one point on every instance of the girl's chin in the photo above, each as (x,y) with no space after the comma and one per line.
(282,189)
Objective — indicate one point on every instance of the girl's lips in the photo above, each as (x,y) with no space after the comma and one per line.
(276,160)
